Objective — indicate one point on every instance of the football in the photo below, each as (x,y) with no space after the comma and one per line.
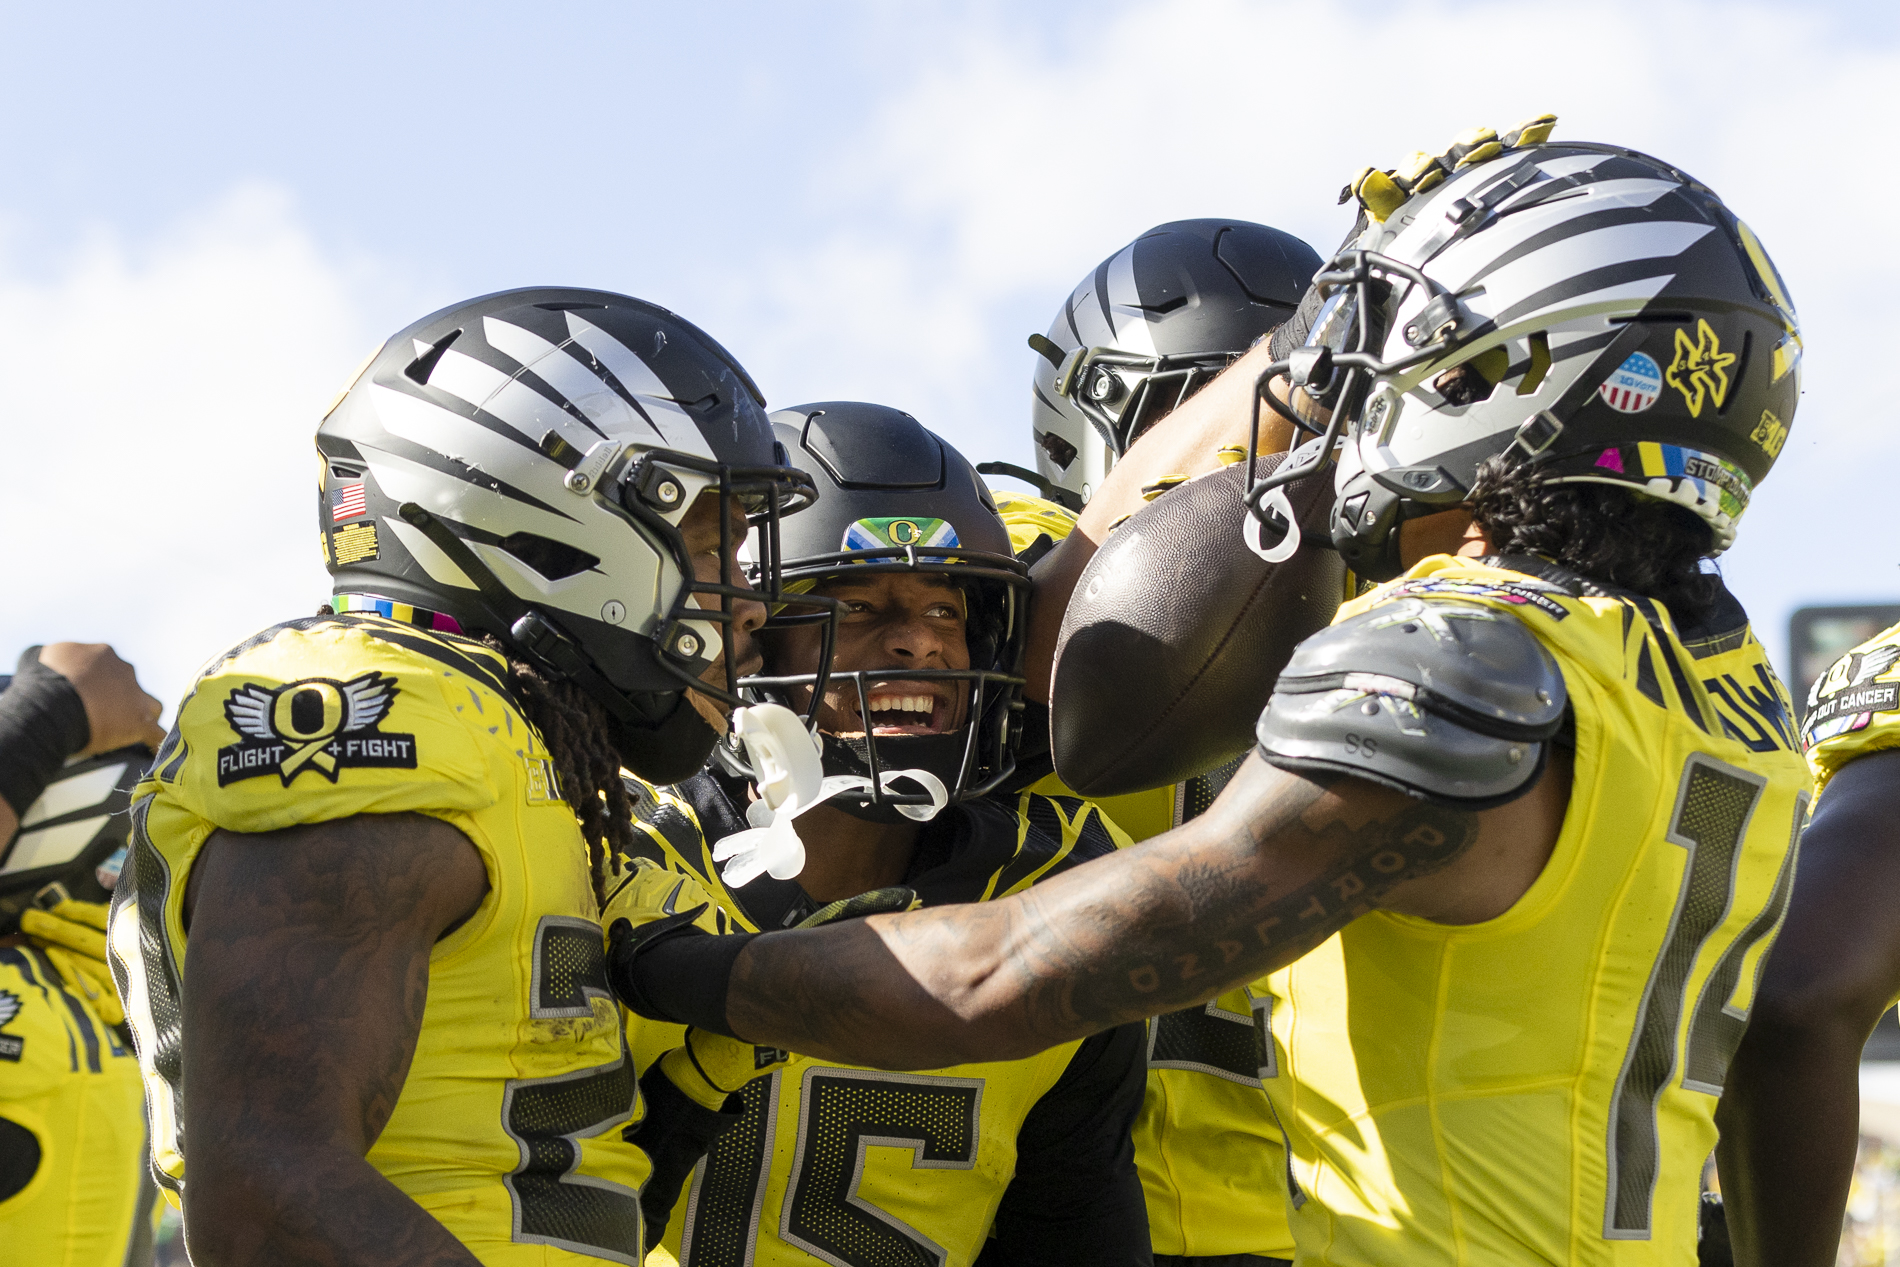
(1177,631)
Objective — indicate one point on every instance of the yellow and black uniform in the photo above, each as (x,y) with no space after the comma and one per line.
(1541,1087)
(1854,708)
(509,1126)
(1025,1161)
(1212,1160)
(73,1187)
(72,1138)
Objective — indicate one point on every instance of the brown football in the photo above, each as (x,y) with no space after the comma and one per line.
(1177,631)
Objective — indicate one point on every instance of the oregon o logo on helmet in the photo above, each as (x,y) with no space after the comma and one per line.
(904,532)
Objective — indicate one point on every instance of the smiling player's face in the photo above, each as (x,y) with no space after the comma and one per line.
(889,620)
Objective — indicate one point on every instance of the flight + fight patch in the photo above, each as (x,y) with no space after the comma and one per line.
(314,724)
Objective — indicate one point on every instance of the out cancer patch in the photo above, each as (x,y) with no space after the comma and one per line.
(315,724)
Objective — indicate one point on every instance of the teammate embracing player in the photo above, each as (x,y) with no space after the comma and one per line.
(1520,924)
(360,933)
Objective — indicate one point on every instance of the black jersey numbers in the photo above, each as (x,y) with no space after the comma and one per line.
(843,1113)
(1237,1046)
(1714,804)
(548,1117)
(721,1227)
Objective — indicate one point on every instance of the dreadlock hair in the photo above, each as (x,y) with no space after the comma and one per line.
(1611,534)
(587,765)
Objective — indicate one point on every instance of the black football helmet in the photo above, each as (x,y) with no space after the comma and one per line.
(1150,326)
(895,497)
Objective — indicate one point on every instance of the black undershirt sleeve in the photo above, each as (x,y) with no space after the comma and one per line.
(1034,759)
(1076,1198)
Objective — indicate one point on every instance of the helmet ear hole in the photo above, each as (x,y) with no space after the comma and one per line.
(1471,381)
(554,560)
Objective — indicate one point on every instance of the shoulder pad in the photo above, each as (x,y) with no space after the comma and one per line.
(1452,701)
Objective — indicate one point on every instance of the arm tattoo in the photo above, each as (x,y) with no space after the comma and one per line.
(1244,890)
(306,975)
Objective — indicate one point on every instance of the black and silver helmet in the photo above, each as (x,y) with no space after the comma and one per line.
(1595,311)
(1147,329)
(895,497)
(518,465)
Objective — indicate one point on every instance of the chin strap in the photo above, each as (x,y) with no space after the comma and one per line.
(790,777)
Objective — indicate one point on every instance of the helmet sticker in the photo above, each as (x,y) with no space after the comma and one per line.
(1770,433)
(1700,370)
(348,501)
(882,534)
(313,724)
(1634,385)
(1715,479)
(355,544)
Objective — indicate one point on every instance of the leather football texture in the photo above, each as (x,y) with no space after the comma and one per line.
(1177,632)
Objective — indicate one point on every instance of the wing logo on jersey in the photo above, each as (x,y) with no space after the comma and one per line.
(314,724)
(11,1045)
(1848,697)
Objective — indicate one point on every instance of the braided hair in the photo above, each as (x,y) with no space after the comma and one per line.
(574,729)
(1611,534)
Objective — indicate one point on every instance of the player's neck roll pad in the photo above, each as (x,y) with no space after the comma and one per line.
(1450,701)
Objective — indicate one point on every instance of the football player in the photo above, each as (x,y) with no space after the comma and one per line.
(1027,1161)
(1514,856)
(1790,1117)
(384,832)
(75,730)
(1141,334)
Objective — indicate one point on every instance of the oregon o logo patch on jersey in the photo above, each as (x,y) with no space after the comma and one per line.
(882,534)
(314,724)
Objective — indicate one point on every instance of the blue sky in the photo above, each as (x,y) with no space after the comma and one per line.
(209,214)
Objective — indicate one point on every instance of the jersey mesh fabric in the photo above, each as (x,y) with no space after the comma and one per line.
(855,1165)
(1207,1148)
(1541,1087)
(508,1128)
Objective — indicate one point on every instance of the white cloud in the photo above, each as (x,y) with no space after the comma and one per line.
(158,402)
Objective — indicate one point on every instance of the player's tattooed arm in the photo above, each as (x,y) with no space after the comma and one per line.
(1790,1108)
(306,972)
(1280,864)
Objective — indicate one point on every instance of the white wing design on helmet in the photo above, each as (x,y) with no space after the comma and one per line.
(366,699)
(248,711)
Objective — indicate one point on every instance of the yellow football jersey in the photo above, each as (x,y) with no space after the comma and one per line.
(1854,708)
(1210,1154)
(861,1167)
(1541,1087)
(66,1078)
(509,1125)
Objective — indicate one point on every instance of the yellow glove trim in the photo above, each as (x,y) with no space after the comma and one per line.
(710,1067)
(1483,154)
(1379,194)
(75,925)
(91,978)
(1531,131)
(1229,454)
(1151,491)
